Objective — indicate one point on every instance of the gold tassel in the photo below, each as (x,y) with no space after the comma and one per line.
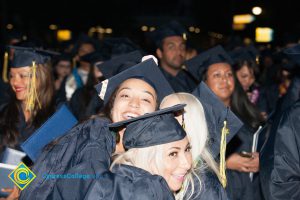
(225,131)
(5,65)
(73,63)
(32,96)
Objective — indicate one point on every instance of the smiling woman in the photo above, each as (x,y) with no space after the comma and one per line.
(32,96)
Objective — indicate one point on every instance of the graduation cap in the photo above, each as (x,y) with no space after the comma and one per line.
(92,58)
(152,129)
(173,28)
(119,63)
(200,63)
(293,53)
(24,56)
(222,123)
(249,53)
(118,45)
(147,71)
(57,125)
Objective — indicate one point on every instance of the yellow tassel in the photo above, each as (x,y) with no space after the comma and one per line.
(5,65)
(32,96)
(225,131)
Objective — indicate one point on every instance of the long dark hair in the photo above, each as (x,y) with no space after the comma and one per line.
(243,108)
(10,118)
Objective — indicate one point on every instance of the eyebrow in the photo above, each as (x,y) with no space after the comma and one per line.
(145,91)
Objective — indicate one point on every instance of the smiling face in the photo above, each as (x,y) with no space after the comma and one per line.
(221,81)
(19,81)
(134,97)
(177,159)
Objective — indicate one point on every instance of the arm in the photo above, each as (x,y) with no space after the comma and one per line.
(285,177)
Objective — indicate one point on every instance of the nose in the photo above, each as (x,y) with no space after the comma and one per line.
(186,161)
(134,102)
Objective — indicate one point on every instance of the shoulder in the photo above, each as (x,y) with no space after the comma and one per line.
(210,187)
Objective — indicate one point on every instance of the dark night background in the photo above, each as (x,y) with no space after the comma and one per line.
(126,17)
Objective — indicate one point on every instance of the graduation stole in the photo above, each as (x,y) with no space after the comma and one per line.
(225,131)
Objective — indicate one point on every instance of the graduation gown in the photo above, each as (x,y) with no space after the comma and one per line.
(87,146)
(22,127)
(285,176)
(210,187)
(239,186)
(182,82)
(124,182)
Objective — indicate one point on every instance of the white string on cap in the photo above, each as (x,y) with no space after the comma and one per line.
(150,56)
(103,89)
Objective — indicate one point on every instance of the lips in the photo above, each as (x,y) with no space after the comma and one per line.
(19,89)
(130,115)
(179,177)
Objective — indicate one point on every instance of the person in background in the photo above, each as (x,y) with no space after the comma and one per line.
(170,41)
(32,101)
(215,70)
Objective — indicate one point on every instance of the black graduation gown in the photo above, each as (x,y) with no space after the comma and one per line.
(239,186)
(22,127)
(182,82)
(210,188)
(87,146)
(124,182)
(285,176)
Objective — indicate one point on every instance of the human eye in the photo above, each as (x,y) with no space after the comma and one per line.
(24,75)
(173,154)
(229,74)
(188,148)
(217,75)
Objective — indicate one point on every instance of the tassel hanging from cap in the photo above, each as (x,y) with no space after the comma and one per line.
(32,96)
(225,131)
(5,67)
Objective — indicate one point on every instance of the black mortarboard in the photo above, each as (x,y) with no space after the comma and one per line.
(119,63)
(216,113)
(147,70)
(293,53)
(173,28)
(200,63)
(249,53)
(117,46)
(92,57)
(57,125)
(25,56)
(152,129)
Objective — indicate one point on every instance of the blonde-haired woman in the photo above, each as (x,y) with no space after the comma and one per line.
(205,183)
(155,165)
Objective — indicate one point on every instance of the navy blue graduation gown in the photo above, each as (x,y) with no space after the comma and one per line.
(182,82)
(211,187)
(285,176)
(124,182)
(87,146)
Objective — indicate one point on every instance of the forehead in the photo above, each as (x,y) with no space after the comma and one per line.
(138,84)
(173,39)
(218,67)
(20,69)
(180,143)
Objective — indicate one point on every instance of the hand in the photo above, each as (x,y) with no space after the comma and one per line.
(14,193)
(242,164)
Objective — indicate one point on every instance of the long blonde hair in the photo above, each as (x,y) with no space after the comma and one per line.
(197,132)
(147,158)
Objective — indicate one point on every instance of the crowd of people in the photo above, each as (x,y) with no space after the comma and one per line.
(163,126)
